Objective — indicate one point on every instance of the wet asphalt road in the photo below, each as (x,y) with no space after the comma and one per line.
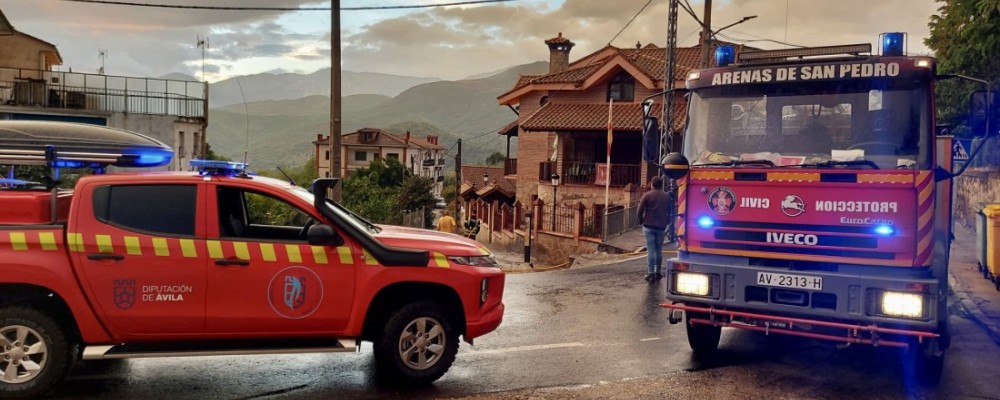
(591,330)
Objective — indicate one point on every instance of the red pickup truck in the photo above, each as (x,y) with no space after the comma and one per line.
(192,264)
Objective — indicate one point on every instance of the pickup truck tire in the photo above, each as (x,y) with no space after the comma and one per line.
(704,339)
(34,353)
(417,345)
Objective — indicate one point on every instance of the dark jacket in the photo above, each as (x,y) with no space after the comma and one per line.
(654,209)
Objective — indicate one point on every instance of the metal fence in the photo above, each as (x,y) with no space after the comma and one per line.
(414,219)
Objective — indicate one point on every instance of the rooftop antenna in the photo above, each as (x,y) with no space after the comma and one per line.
(103,55)
(203,44)
(246,113)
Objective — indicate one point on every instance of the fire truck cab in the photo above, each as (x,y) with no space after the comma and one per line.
(814,200)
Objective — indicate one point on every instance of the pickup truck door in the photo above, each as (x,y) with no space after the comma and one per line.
(140,252)
(264,277)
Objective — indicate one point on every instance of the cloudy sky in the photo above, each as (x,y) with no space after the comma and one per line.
(445,42)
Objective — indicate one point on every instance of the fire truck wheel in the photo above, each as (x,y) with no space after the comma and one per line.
(417,345)
(928,363)
(34,353)
(704,339)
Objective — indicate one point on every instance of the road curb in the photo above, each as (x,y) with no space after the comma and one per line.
(964,295)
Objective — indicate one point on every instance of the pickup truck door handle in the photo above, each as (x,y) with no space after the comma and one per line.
(241,263)
(105,256)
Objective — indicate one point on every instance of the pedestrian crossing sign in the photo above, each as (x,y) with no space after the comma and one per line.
(960,149)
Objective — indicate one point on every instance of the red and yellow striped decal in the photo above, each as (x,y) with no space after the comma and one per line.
(906,179)
(793,176)
(30,240)
(682,185)
(925,217)
(712,175)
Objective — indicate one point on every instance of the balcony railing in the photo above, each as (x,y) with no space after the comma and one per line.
(440,162)
(69,90)
(592,173)
(429,162)
(510,166)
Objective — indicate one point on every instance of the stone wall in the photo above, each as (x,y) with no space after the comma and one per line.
(975,186)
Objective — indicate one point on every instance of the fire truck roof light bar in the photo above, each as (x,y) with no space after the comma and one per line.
(847,49)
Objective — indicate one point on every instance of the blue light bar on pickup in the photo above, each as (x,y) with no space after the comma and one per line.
(217,167)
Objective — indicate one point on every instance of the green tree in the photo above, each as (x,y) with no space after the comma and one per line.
(497,158)
(415,194)
(371,200)
(448,192)
(965,37)
(389,173)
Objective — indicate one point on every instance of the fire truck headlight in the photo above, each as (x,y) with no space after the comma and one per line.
(690,283)
(906,305)
(706,222)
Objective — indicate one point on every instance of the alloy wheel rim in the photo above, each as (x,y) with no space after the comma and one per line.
(422,343)
(23,354)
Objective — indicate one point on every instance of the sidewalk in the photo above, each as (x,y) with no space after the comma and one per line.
(976,295)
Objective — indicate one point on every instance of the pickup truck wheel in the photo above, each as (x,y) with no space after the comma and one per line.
(704,339)
(417,345)
(34,354)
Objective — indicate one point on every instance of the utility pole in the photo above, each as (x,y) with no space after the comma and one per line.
(335,122)
(458,181)
(706,34)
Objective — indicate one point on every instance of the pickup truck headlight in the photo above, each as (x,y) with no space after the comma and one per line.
(691,283)
(476,261)
(906,305)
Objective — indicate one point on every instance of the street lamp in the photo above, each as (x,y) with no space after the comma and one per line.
(486,179)
(555,184)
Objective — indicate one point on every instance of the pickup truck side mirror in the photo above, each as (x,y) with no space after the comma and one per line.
(323,235)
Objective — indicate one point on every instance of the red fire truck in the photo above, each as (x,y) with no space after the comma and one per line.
(215,262)
(814,200)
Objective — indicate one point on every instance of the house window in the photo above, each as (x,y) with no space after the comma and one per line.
(327,156)
(621,88)
(393,156)
(360,156)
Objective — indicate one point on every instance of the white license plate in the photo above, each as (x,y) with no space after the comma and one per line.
(790,281)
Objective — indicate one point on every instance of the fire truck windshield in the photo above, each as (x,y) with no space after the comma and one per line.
(829,123)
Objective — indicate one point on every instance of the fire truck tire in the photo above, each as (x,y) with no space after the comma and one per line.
(34,353)
(417,345)
(704,339)
(928,364)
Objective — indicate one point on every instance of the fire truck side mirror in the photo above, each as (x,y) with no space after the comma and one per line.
(984,117)
(323,235)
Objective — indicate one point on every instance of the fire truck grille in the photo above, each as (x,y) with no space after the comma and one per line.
(819,240)
(799,250)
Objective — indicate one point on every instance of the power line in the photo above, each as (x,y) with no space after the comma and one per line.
(225,8)
(630,21)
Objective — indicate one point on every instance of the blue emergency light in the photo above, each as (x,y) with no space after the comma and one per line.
(884,230)
(893,43)
(725,55)
(706,222)
(217,167)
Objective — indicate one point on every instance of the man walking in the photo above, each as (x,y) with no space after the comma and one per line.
(446,223)
(654,214)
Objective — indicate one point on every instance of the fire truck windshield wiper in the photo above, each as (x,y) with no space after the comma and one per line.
(826,164)
(737,163)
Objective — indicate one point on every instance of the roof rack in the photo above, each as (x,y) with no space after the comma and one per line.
(765,56)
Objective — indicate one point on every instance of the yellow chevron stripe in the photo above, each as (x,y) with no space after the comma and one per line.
(441,260)
(885,178)
(925,219)
(319,254)
(924,242)
(48,240)
(267,252)
(160,247)
(104,244)
(368,258)
(187,248)
(214,249)
(132,246)
(75,241)
(242,251)
(714,175)
(925,194)
(346,257)
(793,177)
(294,253)
(18,241)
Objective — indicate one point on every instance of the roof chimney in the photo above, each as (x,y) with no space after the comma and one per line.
(407,137)
(432,139)
(559,48)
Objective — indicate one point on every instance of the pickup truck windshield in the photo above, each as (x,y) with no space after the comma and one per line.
(884,121)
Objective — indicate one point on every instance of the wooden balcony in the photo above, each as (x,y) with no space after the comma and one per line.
(510,166)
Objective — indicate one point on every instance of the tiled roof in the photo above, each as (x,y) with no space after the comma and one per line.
(472,179)
(507,129)
(592,117)
(386,139)
(650,59)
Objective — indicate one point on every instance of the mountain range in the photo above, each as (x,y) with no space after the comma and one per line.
(291,86)
(279,131)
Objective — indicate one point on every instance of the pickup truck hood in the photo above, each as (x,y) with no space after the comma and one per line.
(448,244)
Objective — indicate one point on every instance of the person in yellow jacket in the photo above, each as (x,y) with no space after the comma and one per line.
(446,223)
